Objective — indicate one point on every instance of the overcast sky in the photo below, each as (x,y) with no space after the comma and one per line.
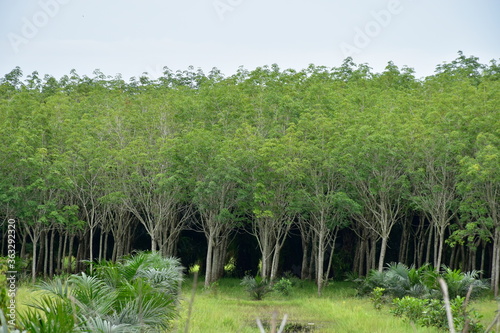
(132,37)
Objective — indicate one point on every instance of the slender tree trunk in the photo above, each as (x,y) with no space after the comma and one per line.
(373,252)
(383,248)
(46,254)
(483,255)
(495,262)
(33,264)
(23,246)
(320,261)
(70,252)
(332,252)
(275,263)
(429,243)
(208,265)
(101,239)
(303,268)
(403,245)
(452,257)
(91,250)
(440,232)
(312,260)
(362,256)
(60,251)
(51,254)
(105,250)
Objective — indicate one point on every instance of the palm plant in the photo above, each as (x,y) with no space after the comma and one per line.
(257,287)
(136,294)
(399,280)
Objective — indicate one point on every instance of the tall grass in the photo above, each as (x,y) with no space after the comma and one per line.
(231,309)
(227,307)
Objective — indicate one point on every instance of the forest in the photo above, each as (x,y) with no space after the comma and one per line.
(320,172)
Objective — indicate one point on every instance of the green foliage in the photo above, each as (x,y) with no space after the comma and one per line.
(137,293)
(256,287)
(4,299)
(283,286)
(399,280)
(377,297)
(326,148)
(431,313)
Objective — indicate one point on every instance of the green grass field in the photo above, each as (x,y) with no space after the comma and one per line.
(226,307)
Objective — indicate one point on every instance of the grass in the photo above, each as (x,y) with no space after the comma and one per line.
(226,307)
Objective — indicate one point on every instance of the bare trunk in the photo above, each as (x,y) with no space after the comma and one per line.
(91,250)
(51,254)
(303,269)
(105,250)
(403,245)
(63,242)
(208,265)
(383,248)
(481,267)
(70,252)
(440,247)
(33,264)
(321,259)
(153,244)
(495,272)
(362,249)
(373,252)
(429,243)
(46,254)
(275,263)
(101,240)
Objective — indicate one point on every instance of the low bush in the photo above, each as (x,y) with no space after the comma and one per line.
(432,313)
(399,280)
(256,287)
(136,294)
(283,286)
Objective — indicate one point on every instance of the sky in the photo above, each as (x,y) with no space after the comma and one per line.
(133,37)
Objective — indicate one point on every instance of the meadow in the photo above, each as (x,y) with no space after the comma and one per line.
(227,307)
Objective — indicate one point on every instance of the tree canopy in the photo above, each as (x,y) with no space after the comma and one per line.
(350,168)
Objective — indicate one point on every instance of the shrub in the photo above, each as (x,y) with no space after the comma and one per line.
(399,280)
(283,286)
(432,313)
(377,297)
(136,294)
(256,287)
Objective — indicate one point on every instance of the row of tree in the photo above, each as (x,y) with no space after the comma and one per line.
(89,161)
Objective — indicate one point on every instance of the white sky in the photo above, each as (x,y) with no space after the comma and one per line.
(132,37)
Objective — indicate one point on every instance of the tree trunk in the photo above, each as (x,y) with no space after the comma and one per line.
(275,263)
(208,265)
(105,250)
(33,264)
(440,231)
(403,245)
(51,253)
(495,262)
(91,250)
(46,254)
(429,243)
(305,250)
(362,249)
(63,242)
(320,261)
(383,248)
(101,240)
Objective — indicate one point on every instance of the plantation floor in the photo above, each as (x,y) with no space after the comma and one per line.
(227,308)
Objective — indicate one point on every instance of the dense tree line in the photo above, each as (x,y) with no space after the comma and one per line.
(384,159)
